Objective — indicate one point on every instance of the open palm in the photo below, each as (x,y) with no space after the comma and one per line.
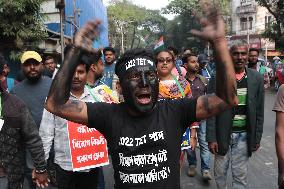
(86,35)
(213,27)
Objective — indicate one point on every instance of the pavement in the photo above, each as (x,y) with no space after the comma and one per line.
(262,165)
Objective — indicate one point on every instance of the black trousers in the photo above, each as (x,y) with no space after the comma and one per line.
(77,180)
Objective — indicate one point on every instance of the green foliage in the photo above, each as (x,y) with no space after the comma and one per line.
(275,31)
(131,26)
(178,30)
(182,6)
(178,33)
(194,7)
(21,20)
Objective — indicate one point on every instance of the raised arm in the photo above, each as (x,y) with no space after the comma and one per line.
(58,101)
(213,30)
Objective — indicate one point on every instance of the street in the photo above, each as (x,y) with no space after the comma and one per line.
(262,167)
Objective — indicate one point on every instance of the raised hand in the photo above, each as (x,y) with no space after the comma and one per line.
(86,35)
(213,27)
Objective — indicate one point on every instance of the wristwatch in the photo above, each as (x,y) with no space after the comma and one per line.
(40,171)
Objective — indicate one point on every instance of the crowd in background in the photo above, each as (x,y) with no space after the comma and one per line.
(34,144)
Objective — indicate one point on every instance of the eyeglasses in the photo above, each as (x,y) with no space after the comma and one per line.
(167,61)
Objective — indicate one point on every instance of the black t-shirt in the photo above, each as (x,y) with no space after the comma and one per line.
(145,150)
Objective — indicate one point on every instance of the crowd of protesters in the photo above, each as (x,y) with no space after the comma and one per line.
(153,108)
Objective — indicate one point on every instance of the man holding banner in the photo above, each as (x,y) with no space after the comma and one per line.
(79,151)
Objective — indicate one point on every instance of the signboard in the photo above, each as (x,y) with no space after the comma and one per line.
(88,147)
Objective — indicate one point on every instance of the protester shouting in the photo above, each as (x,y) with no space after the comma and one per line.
(144,135)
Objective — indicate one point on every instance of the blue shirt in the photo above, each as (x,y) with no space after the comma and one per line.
(33,95)
(108,74)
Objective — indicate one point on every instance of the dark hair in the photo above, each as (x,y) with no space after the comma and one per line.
(130,54)
(109,49)
(171,48)
(91,58)
(2,63)
(48,57)
(254,49)
(84,61)
(164,50)
(186,56)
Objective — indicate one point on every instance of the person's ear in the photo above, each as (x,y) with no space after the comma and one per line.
(185,66)
(93,67)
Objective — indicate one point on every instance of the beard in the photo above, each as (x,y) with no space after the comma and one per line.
(33,78)
(251,64)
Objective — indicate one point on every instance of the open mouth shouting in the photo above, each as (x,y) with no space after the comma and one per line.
(143,98)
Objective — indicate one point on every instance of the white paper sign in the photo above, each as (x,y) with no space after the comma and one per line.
(1,123)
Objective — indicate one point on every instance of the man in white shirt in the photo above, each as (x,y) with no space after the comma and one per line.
(54,129)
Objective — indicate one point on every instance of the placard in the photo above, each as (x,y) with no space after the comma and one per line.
(88,147)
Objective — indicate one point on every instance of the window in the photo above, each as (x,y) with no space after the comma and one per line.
(250,23)
(268,20)
(246,2)
(243,22)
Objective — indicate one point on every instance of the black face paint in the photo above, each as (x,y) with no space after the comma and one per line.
(140,87)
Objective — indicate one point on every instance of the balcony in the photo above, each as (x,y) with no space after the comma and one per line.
(245,9)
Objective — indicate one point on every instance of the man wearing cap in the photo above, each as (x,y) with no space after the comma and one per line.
(144,135)
(33,91)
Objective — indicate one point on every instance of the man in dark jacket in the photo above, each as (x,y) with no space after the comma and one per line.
(32,91)
(234,134)
(17,132)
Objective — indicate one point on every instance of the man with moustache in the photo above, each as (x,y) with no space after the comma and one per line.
(144,135)
(253,63)
(198,88)
(33,91)
(109,58)
(253,59)
(236,133)
(54,128)
(50,65)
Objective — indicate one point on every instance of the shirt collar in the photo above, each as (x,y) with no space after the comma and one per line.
(85,94)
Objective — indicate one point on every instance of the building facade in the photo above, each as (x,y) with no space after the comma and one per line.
(248,21)
(76,14)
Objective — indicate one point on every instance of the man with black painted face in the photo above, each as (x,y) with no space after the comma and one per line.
(144,135)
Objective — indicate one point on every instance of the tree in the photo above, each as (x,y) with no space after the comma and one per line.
(21,21)
(275,30)
(132,26)
(178,31)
